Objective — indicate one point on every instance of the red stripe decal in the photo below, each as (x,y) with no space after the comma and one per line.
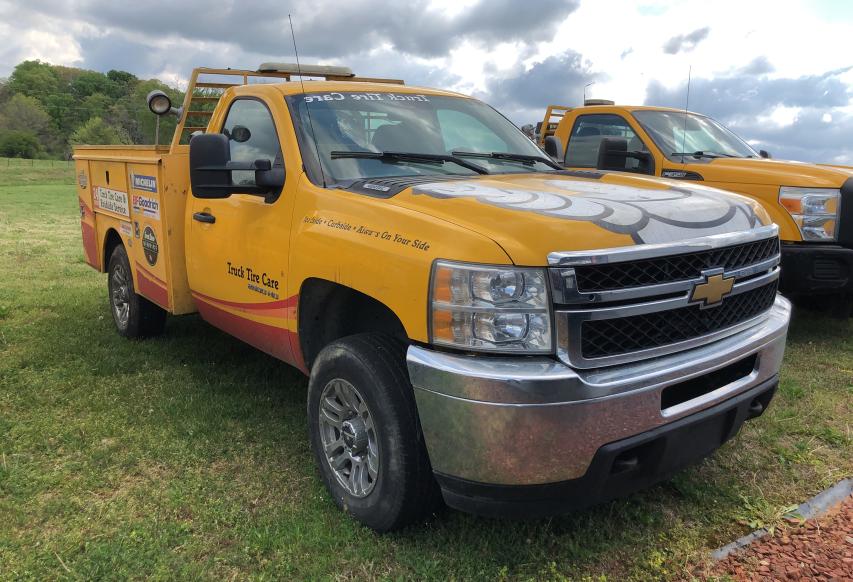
(150,275)
(90,245)
(90,237)
(280,304)
(275,341)
(150,287)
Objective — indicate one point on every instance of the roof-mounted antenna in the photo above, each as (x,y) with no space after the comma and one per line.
(686,107)
(584,91)
(307,106)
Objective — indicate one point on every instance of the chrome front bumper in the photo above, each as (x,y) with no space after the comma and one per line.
(527,421)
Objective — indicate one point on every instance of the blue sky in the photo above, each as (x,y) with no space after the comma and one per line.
(777,72)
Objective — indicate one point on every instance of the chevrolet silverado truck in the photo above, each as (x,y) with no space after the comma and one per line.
(477,324)
(811,203)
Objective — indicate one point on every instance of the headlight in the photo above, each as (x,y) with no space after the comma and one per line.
(496,309)
(815,210)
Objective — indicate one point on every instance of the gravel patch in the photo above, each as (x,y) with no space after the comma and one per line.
(819,549)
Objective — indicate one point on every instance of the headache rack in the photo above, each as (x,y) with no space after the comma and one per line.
(553,115)
(207,86)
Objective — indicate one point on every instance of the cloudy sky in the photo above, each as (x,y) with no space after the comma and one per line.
(779,73)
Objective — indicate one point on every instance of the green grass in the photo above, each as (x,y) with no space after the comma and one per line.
(18,171)
(186,457)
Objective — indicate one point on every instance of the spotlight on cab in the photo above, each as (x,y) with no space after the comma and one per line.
(160,104)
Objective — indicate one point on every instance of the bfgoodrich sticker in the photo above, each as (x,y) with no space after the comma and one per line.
(150,246)
(147,183)
(111,201)
(149,207)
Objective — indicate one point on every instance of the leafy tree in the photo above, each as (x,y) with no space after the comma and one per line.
(87,83)
(5,91)
(63,106)
(97,132)
(63,110)
(34,78)
(19,144)
(123,81)
(23,113)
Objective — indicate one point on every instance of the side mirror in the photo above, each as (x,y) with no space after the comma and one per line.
(210,154)
(613,153)
(271,177)
(554,147)
(764,154)
(211,171)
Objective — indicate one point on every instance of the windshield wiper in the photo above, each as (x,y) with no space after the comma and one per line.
(523,158)
(702,154)
(409,157)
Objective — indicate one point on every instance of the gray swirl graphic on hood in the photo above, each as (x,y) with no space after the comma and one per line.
(648,216)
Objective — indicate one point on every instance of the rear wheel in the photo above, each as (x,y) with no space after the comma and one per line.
(365,433)
(134,315)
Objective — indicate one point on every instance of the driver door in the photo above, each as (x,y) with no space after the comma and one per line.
(237,247)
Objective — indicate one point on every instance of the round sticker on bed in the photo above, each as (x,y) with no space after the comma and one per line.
(149,245)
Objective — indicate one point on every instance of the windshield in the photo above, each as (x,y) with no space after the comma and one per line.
(438,128)
(703,134)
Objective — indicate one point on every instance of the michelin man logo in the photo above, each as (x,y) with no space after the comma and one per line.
(648,216)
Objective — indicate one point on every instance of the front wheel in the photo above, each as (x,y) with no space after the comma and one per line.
(134,315)
(365,433)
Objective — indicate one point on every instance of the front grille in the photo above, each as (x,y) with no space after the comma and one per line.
(672,268)
(621,335)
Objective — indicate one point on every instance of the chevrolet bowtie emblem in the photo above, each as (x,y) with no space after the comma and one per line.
(711,289)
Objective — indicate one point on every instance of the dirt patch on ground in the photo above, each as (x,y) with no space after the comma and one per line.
(820,549)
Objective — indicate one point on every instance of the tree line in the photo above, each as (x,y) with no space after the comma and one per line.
(47,109)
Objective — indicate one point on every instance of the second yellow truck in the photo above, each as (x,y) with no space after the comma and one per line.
(477,324)
(811,203)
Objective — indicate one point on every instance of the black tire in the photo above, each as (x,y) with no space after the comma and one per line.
(404,490)
(143,318)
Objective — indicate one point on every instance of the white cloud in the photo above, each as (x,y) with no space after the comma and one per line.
(783,116)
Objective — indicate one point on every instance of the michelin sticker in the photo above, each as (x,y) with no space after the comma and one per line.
(149,207)
(146,183)
(647,215)
(150,246)
(112,201)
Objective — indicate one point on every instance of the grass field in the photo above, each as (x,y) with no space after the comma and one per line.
(186,457)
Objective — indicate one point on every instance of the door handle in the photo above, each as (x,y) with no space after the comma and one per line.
(204,217)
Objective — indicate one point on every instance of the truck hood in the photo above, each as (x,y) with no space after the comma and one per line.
(532,215)
(772,172)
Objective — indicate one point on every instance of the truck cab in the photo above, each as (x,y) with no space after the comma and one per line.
(811,203)
(479,326)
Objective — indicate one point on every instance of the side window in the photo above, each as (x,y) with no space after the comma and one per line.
(461,131)
(251,132)
(589,130)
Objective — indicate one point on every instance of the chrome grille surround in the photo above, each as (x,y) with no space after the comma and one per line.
(574,306)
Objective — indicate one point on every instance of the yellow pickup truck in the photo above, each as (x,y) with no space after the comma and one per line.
(478,324)
(811,203)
